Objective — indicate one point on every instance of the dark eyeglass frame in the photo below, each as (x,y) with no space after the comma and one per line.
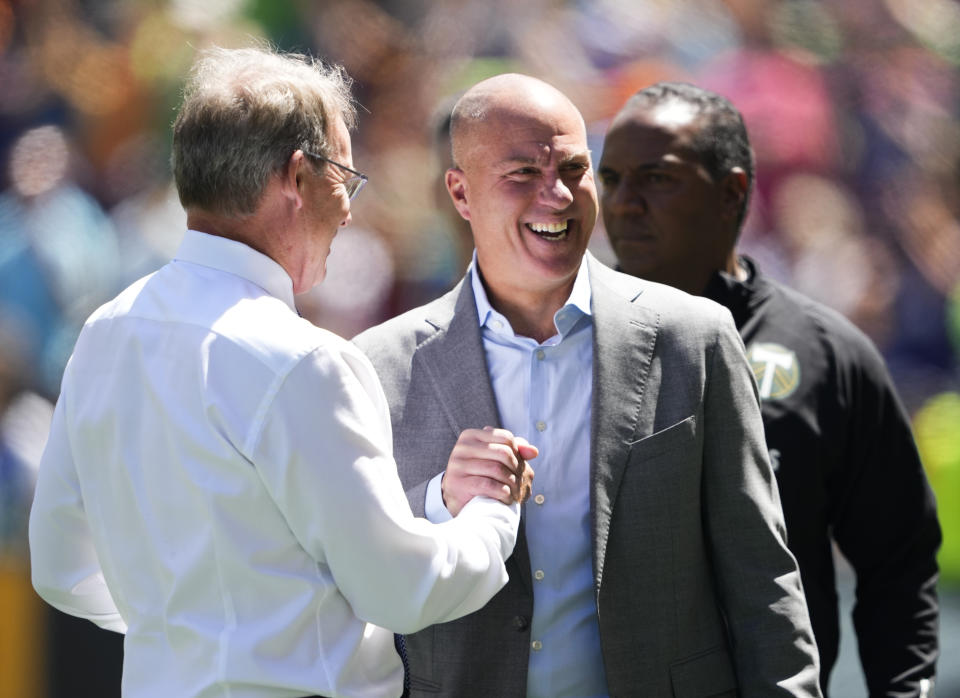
(353,184)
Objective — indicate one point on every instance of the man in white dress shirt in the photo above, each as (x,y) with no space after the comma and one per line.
(219,482)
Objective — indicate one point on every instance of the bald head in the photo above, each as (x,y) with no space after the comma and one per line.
(523,179)
(497,100)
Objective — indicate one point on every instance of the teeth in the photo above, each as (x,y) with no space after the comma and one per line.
(548,227)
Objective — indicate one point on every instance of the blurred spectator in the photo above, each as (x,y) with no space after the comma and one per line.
(60,250)
(24,422)
(938,439)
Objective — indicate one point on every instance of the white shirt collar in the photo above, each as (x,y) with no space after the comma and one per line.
(238,259)
(579,298)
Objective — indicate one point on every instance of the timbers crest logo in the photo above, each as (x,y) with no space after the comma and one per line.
(776,369)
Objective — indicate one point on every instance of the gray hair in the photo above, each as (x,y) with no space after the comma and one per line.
(470,109)
(721,141)
(244,112)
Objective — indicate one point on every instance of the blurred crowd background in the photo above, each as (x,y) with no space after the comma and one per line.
(853,107)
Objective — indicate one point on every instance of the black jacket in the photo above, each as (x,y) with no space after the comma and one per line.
(848,470)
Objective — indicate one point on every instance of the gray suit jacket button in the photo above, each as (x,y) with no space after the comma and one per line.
(521,623)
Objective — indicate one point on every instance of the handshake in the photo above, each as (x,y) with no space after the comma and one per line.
(491,462)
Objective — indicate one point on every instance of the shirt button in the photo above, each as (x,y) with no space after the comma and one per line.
(497,324)
(538,575)
(521,623)
(536,645)
(541,425)
(539,499)
(540,354)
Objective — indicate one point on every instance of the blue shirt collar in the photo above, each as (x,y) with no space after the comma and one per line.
(236,258)
(577,305)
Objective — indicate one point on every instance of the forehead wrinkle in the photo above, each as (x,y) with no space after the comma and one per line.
(518,160)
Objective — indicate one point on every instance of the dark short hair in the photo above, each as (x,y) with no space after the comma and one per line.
(721,143)
(245,111)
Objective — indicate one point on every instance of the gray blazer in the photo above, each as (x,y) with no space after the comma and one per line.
(697,594)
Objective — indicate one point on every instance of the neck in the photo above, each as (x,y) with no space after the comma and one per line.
(695,279)
(530,314)
(228,227)
(734,268)
(265,230)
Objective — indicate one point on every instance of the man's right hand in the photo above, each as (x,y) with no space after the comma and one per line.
(485,462)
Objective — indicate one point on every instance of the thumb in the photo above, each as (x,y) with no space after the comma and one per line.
(527,451)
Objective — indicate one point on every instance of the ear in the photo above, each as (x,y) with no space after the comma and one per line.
(734,191)
(291,178)
(457,186)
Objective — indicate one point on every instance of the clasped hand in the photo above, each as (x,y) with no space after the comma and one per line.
(491,462)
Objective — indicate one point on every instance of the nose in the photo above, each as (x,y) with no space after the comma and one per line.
(346,221)
(556,193)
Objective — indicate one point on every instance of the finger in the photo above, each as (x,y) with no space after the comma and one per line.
(522,482)
(457,492)
(517,485)
(523,495)
(494,452)
(490,488)
(525,485)
(493,470)
(521,465)
(492,434)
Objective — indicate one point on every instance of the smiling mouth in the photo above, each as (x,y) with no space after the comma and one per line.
(550,231)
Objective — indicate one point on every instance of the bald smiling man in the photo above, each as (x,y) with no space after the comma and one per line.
(652,559)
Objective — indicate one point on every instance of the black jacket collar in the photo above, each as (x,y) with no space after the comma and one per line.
(741,297)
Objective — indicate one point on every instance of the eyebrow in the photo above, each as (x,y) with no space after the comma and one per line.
(581,156)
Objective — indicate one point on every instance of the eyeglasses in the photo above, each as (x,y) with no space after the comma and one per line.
(353,184)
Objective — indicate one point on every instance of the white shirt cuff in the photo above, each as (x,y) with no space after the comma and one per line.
(433,507)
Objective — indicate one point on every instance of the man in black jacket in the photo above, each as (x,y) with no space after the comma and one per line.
(676,174)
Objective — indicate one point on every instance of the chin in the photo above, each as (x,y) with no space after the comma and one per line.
(557,270)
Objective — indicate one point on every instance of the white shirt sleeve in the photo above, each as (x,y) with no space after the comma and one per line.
(325,455)
(64,565)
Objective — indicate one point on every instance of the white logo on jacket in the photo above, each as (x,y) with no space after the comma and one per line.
(776,369)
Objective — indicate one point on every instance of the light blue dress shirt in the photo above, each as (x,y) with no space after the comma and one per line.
(543,394)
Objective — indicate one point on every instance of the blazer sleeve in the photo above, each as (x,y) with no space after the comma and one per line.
(757,577)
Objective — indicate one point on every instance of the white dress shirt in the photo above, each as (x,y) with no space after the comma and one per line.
(218,484)
(543,393)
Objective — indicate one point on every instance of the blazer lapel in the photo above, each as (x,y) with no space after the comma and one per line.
(624,335)
(454,361)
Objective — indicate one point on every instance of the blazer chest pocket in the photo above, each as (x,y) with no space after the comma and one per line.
(707,674)
(663,471)
(666,441)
